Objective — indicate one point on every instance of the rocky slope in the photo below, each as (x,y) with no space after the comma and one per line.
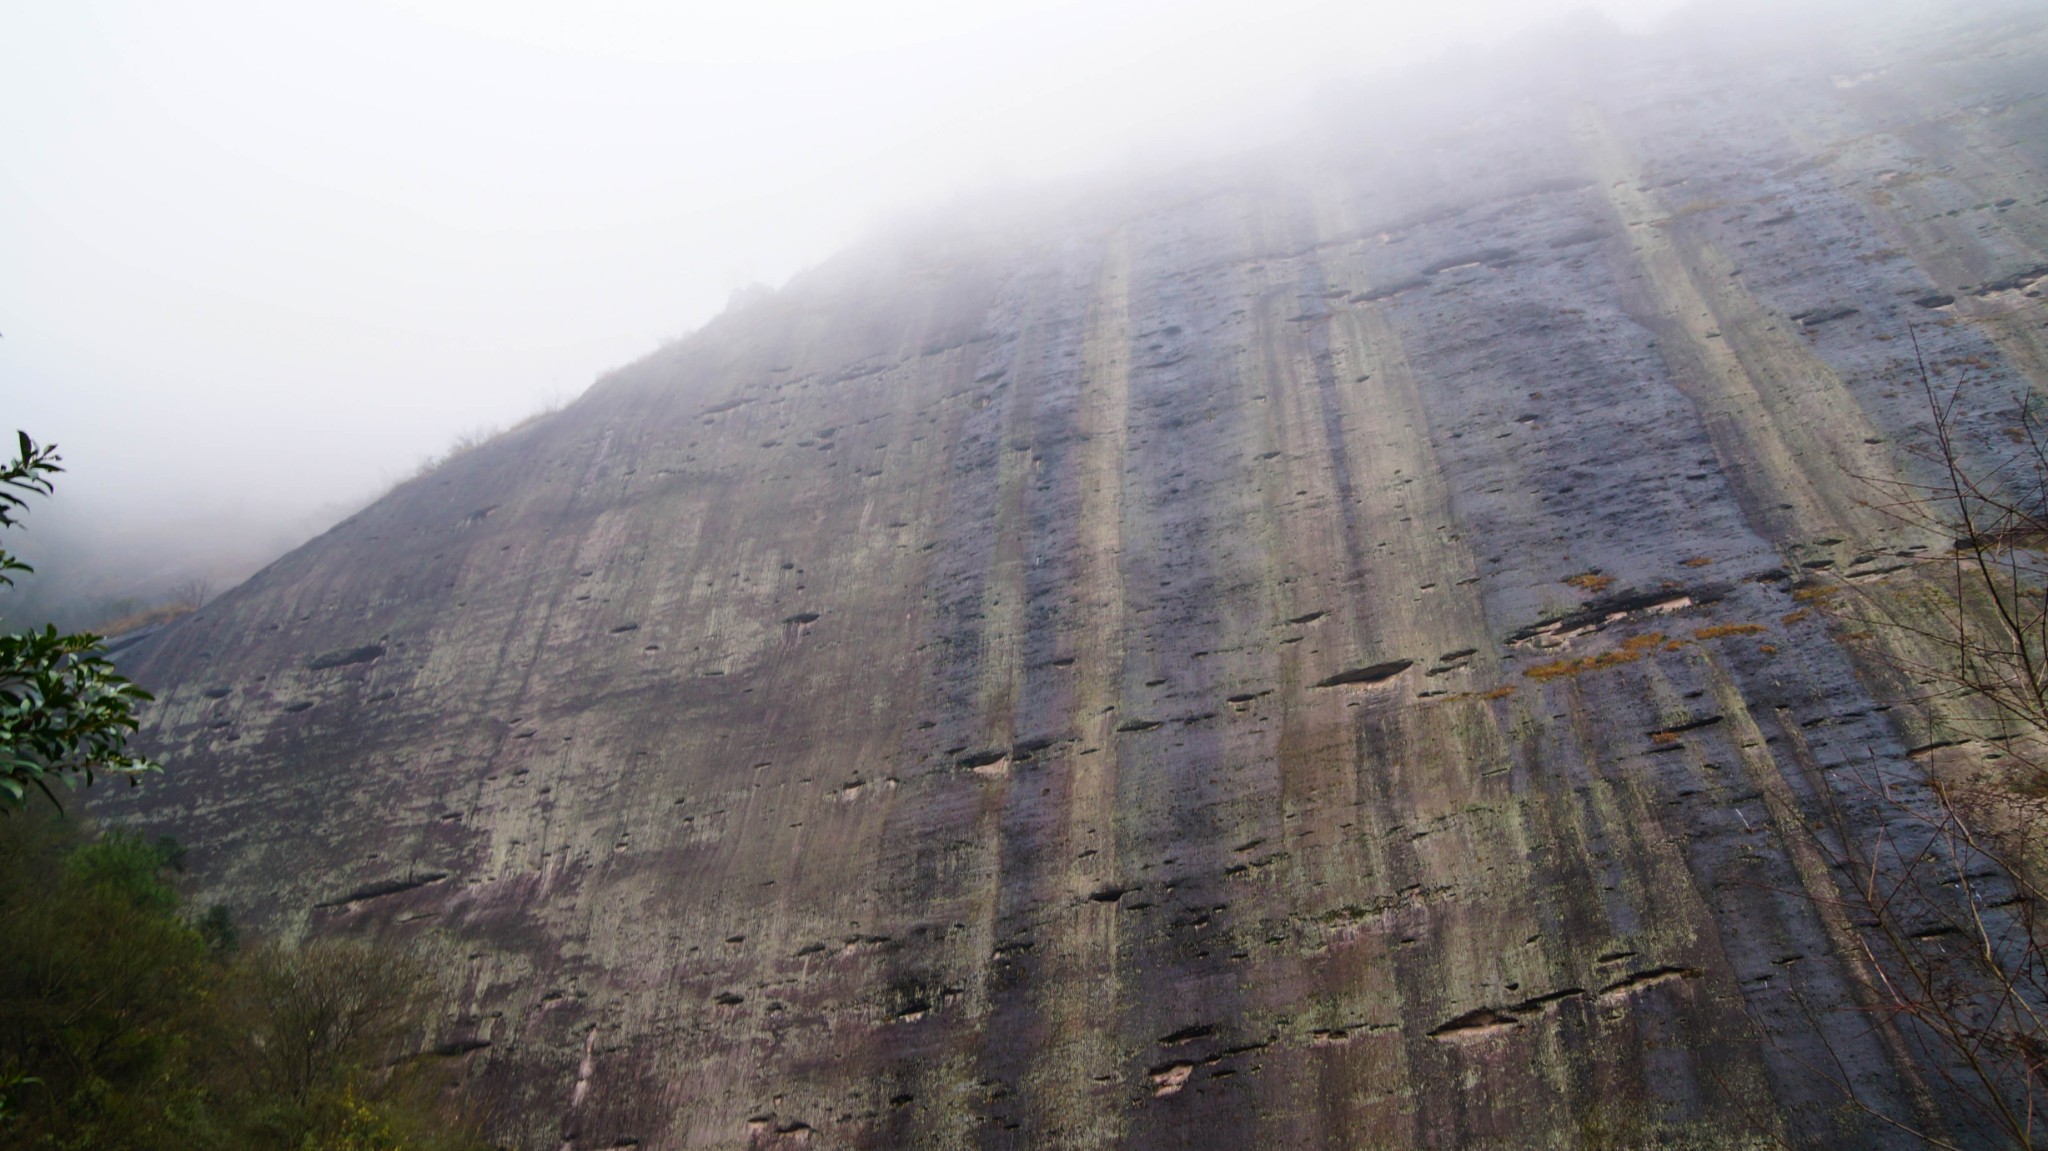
(1310,652)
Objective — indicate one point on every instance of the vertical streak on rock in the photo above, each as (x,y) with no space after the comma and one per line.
(1957,249)
(1313,565)
(1400,461)
(1415,773)
(1307,570)
(1381,804)
(1004,593)
(1613,882)
(1790,436)
(999,689)
(1816,877)
(1795,441)
(1079,990)
(1355,391)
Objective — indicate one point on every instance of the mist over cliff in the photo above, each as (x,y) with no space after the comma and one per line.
(1317,647)
(264,259)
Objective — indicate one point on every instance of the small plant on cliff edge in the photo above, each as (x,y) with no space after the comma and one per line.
(65,714)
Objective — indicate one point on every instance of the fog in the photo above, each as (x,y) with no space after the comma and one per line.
(258,260)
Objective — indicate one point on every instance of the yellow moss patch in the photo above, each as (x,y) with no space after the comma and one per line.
(1629,652)
(1591,581)
(1498,693)
(1723,630)
(1663,737)
(1819,593)
(1792,617)
(1696,562)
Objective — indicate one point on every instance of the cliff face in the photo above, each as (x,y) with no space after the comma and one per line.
(1064,680)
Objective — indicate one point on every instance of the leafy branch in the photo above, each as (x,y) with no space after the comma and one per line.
(65,713)
(28,474)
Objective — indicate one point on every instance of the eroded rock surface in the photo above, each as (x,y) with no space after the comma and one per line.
(1303,654)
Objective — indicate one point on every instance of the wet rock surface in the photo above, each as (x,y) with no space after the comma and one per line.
(1315,654)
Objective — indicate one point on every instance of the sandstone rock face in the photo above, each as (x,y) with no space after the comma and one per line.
(1064,678)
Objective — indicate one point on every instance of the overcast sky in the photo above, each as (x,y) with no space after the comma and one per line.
(257,258)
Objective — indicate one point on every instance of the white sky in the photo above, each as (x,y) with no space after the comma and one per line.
(256,257)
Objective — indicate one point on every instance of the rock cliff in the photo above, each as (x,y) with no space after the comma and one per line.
(1314,651)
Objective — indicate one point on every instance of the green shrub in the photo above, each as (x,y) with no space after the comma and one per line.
(123,1026)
